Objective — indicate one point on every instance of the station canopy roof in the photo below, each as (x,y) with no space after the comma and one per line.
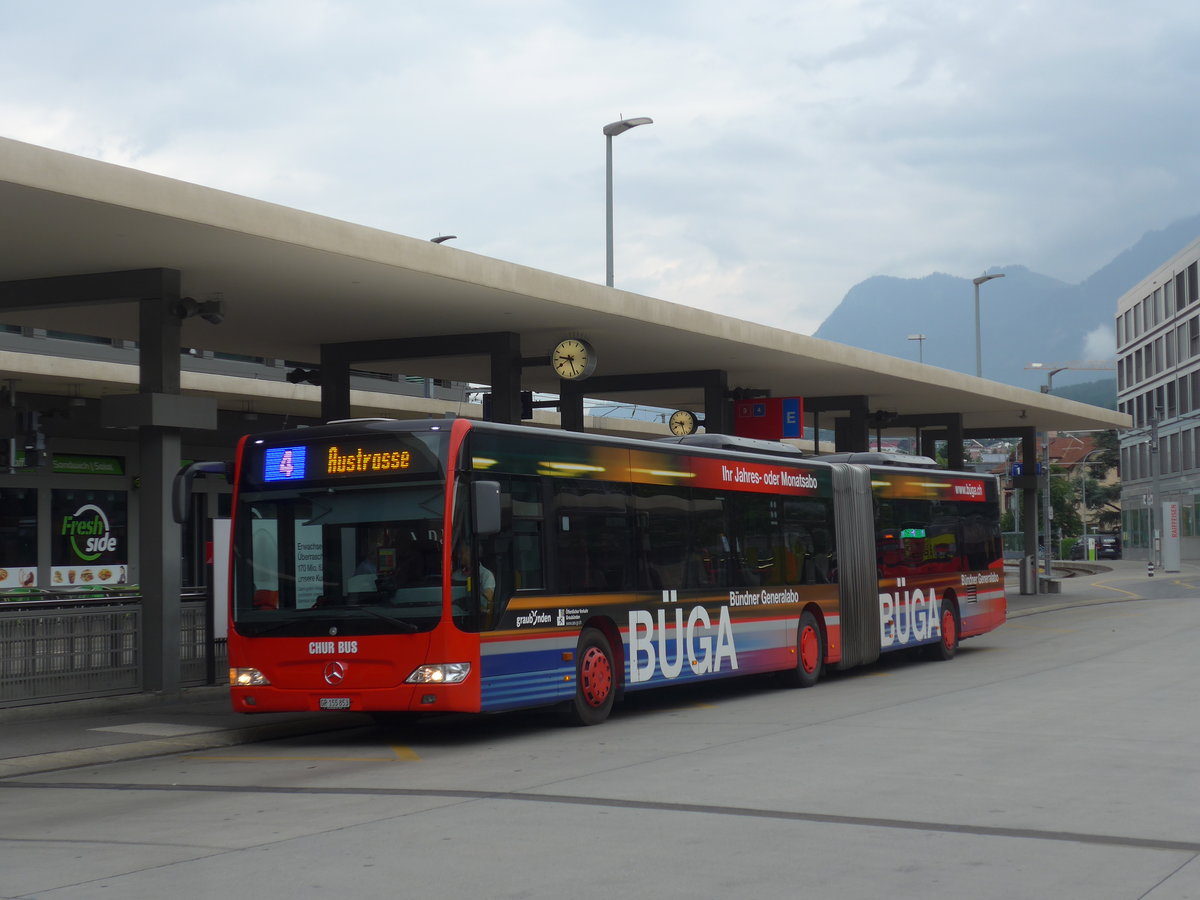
(292,281)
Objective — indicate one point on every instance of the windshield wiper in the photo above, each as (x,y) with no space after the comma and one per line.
(261,629)
(403,624)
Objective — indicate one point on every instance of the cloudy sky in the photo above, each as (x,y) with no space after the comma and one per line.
(797,147)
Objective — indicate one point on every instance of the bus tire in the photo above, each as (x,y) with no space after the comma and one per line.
(947,643)
(595,680)
(810,653)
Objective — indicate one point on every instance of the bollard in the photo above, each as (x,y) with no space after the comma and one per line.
(1149,568)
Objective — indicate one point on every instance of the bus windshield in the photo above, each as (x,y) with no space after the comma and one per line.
(365,559)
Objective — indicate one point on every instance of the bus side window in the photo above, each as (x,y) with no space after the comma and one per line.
(662,517)
(808,522)
(522,499)
(527,555)
(709,563)
(591,537)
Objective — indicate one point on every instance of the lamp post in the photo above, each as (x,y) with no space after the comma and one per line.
(1154,554)
(978,343)
(1083,483)
(1046,389)
(610,131)
(920,339)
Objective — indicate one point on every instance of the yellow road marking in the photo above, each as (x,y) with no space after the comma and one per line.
(1109,587)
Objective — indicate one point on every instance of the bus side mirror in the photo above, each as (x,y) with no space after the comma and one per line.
(486,507)
(181,489)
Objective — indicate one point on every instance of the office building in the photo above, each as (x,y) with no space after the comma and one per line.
(1158,385)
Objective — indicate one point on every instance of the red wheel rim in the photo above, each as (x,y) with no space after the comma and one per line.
(949,632)
(595,676)
(810,649)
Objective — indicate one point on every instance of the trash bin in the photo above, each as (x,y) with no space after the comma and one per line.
(1029,574)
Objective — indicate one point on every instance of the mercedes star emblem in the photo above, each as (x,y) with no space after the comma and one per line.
(335,673)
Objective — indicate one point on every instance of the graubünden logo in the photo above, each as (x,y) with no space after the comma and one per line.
(89,532)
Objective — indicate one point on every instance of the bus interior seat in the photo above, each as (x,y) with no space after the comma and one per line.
(264,599)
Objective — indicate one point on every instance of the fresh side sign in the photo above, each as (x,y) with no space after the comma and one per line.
(90,547)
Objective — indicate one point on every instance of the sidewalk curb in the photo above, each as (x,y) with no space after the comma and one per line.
(50,709)
(208,740)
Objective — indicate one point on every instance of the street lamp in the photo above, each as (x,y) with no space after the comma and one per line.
(978,346)
(920,339)
(611,130)
(1046,389)
(1083,488)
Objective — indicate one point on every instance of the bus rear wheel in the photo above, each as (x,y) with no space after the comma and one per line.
(810,653)
(595,680)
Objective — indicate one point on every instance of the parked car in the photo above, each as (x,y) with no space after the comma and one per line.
(1108,546)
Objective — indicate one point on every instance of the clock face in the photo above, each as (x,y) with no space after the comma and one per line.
(682,422)
(573,359)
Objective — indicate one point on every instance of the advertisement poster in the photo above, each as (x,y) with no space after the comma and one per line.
(89,545)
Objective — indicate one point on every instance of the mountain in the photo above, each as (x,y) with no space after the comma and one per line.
(1096,393)
(1025,317)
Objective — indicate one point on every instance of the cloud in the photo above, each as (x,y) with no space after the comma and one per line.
(1100,344)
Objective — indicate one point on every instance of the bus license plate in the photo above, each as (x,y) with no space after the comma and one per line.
(335,703)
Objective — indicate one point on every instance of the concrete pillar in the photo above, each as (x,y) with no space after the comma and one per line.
(159,537)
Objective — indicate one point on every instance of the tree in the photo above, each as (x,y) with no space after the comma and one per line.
(1063,499)
(1103,500)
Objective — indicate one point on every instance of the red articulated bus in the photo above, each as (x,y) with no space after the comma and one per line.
(450,565)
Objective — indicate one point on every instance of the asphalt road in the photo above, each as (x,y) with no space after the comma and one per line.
(1055,758)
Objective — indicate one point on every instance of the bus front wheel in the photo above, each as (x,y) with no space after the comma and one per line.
(947,645)
(810,653)
(595,680)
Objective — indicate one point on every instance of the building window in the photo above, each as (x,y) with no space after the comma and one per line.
(18,540)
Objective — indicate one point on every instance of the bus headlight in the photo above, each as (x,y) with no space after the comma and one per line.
(443,673)
(247,677)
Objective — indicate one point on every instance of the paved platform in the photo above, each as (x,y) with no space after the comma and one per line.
(51,736)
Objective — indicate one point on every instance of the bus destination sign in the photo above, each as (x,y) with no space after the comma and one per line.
(311,462)
(359,461)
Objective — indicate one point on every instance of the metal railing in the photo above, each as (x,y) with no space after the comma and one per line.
(57,651)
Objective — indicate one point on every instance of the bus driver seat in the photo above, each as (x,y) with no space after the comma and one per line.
(266,599)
